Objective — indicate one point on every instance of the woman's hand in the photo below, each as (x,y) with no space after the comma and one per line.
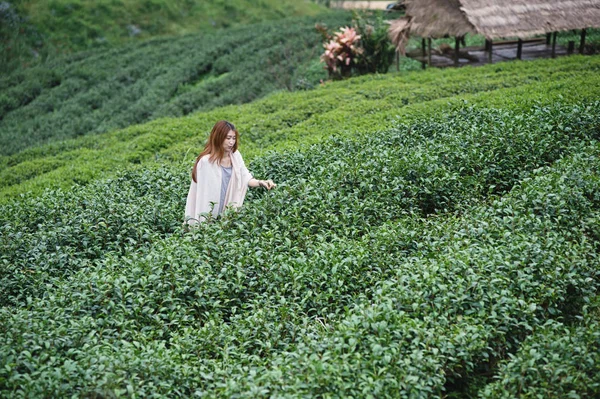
(268,184)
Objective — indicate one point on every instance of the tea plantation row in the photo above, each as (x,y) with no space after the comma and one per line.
(405,263)
(455,308)
(556,352)
(201,355)
(101,91)
(35,31)
(425,168)
(284,120)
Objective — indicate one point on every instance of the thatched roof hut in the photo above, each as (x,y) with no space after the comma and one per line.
(493,18)
(437,18)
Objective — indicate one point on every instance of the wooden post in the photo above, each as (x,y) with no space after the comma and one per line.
(456,48)
(582,42)
(429,51)
(519,48)
(571,47)
(554,44)
(548,37)
(488,49)
(423,53)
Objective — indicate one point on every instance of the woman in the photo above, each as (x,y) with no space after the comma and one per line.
(220,177)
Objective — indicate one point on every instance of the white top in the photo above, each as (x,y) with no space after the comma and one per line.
(204,196)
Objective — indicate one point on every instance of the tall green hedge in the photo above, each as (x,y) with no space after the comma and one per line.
(405,263)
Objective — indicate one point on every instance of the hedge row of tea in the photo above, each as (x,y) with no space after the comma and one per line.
(35,31)
(556,352)
(105,90)
(402,264)
(439,166)
(284,120)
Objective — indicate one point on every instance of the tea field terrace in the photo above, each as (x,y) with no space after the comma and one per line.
(438,252)
(36,31)
(287,120)
(103,90)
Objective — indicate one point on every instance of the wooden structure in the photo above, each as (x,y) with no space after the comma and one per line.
(494,19)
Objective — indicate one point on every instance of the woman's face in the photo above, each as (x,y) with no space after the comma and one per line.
(229,142)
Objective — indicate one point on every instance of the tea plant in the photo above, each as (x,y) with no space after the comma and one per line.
(227,312)
(104,90)
(555,352)
(42,30)
(288,120)
(445,245)
(419,169)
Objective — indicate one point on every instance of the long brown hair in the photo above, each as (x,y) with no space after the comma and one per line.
(214,145)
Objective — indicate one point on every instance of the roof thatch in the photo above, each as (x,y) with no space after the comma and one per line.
(493,18)
(437,18)
(525,18)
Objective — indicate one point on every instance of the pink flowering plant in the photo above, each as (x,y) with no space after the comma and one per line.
(363,48)
(341,51)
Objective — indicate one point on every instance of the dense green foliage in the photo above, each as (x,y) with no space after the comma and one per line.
(34,30)
(378,50)
(556,352)
(432,174)
(364,47)
(106,90)
(433,234)
(406,263)
(366,104)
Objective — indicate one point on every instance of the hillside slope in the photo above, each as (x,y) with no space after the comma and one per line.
(438,238)
(366,104)
(103,90)
(39,29)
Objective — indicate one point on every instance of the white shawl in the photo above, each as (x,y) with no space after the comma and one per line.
(204,195)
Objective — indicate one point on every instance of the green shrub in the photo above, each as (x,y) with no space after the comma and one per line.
(104,90)
(557,361)
(239,307)
(415,169)
(37,31)
(360,49)
(436,236)
(378,50)
(365,104)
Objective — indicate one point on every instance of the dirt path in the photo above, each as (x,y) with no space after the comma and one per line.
(370,5)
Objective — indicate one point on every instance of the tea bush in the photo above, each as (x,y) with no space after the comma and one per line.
(423,168)
(414,308)
(104,90)
(447,246)
(556,352)
(452,311)
(286,120)
(41,30)
(71,229)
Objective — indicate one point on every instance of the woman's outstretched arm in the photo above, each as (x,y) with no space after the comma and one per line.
(268,184)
